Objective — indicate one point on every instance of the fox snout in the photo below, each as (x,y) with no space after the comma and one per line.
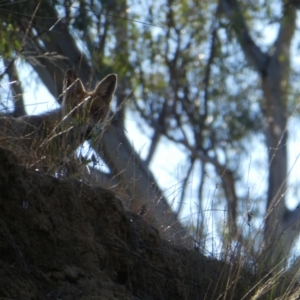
(87,108)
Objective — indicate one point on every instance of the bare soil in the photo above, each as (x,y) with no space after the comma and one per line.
(62,239)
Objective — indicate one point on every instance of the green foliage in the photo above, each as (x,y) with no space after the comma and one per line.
(9,41)
(16,18)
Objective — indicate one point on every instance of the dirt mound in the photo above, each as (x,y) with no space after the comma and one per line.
(61,239)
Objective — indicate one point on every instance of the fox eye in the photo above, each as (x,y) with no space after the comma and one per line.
(88,133)
(99,114)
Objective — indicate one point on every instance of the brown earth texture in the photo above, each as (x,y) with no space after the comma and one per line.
(62,239)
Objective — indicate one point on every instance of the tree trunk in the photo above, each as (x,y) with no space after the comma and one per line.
(274,73)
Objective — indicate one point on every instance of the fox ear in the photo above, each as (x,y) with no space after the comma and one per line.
(106,88)
(72,83)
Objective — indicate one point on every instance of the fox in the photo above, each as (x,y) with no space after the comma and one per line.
(51,137)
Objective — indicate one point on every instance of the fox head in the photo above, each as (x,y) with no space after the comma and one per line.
(86,109)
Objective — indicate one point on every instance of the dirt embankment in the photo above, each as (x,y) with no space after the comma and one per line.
(61,239)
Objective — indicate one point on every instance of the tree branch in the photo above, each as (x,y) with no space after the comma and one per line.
(17,91)
(226,175)
(254,55)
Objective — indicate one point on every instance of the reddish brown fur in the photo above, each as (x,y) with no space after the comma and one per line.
(57,133)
